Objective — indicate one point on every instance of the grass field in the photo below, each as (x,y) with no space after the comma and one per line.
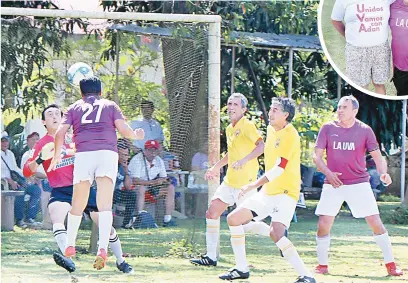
(335,44)
(354,257)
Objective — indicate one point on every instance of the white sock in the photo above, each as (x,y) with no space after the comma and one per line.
(72,229)
(257,227)
(323,244)
(115,246)
(60,235)
(291,255)
(211,235)
(167,218)
(238,246)
(105,225)
(384,242)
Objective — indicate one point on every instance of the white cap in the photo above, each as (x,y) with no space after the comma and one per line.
(4,134)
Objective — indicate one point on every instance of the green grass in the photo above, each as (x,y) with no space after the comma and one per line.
(354,257)
(335,44)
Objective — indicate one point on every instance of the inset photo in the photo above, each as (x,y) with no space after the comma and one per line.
(366,41)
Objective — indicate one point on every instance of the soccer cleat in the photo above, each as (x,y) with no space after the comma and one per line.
(64,262)
(100,260)
(21,224)
(393,270)
(322,269)
(233,274)
(70,251)
(170,223)
(130,224)
(204,261)
(305,279)
(125,267)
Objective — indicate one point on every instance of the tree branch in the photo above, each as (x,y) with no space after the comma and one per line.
(257,91)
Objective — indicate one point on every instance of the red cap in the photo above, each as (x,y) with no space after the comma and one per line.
(152,144)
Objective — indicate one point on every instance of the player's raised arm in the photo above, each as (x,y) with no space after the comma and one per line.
(270,175)
(214,171)
(41,153)
(58,142)
(123,128)
(258,150)
(286,153)
(126,131)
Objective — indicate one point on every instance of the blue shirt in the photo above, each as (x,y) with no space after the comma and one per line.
(152,131)
(120,177)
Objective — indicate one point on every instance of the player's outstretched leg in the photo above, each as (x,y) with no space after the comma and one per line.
(58,211)
(235,220)
(211,236)
(64,262)
(114,243)
(213,214)
(323,243)
(290,253)
(383,240)
(104,199)
(257,227)
(79,201)
(116,247)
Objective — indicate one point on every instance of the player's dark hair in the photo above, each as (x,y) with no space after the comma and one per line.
(288,105)
(147,103)
(122,143)
(48,107)
(90,86)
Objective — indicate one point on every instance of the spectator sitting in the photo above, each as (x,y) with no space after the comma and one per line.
(40,178)
(124,192)
(9,161)
(152,128)
(149,174)
(200,159)
(199,166)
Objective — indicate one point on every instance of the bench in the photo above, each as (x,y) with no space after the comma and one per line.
(7,209)
(312,192)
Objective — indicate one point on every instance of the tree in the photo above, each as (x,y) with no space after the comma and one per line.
(27,45)
(386,123)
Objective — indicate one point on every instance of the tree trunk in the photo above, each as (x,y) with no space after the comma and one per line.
(258,91)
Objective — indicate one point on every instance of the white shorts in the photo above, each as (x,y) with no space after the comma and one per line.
(91,164)
(359,197)
(279,207)
(229,195)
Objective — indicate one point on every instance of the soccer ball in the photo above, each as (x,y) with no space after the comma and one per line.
(79,71)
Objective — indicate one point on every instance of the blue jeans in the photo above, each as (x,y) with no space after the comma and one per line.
(33,204)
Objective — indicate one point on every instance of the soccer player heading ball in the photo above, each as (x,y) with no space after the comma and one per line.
(94,121)
(61,180)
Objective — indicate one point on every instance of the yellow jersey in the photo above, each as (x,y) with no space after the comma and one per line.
(284,143)
(241,140)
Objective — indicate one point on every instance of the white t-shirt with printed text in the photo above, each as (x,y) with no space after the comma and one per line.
(366,21)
